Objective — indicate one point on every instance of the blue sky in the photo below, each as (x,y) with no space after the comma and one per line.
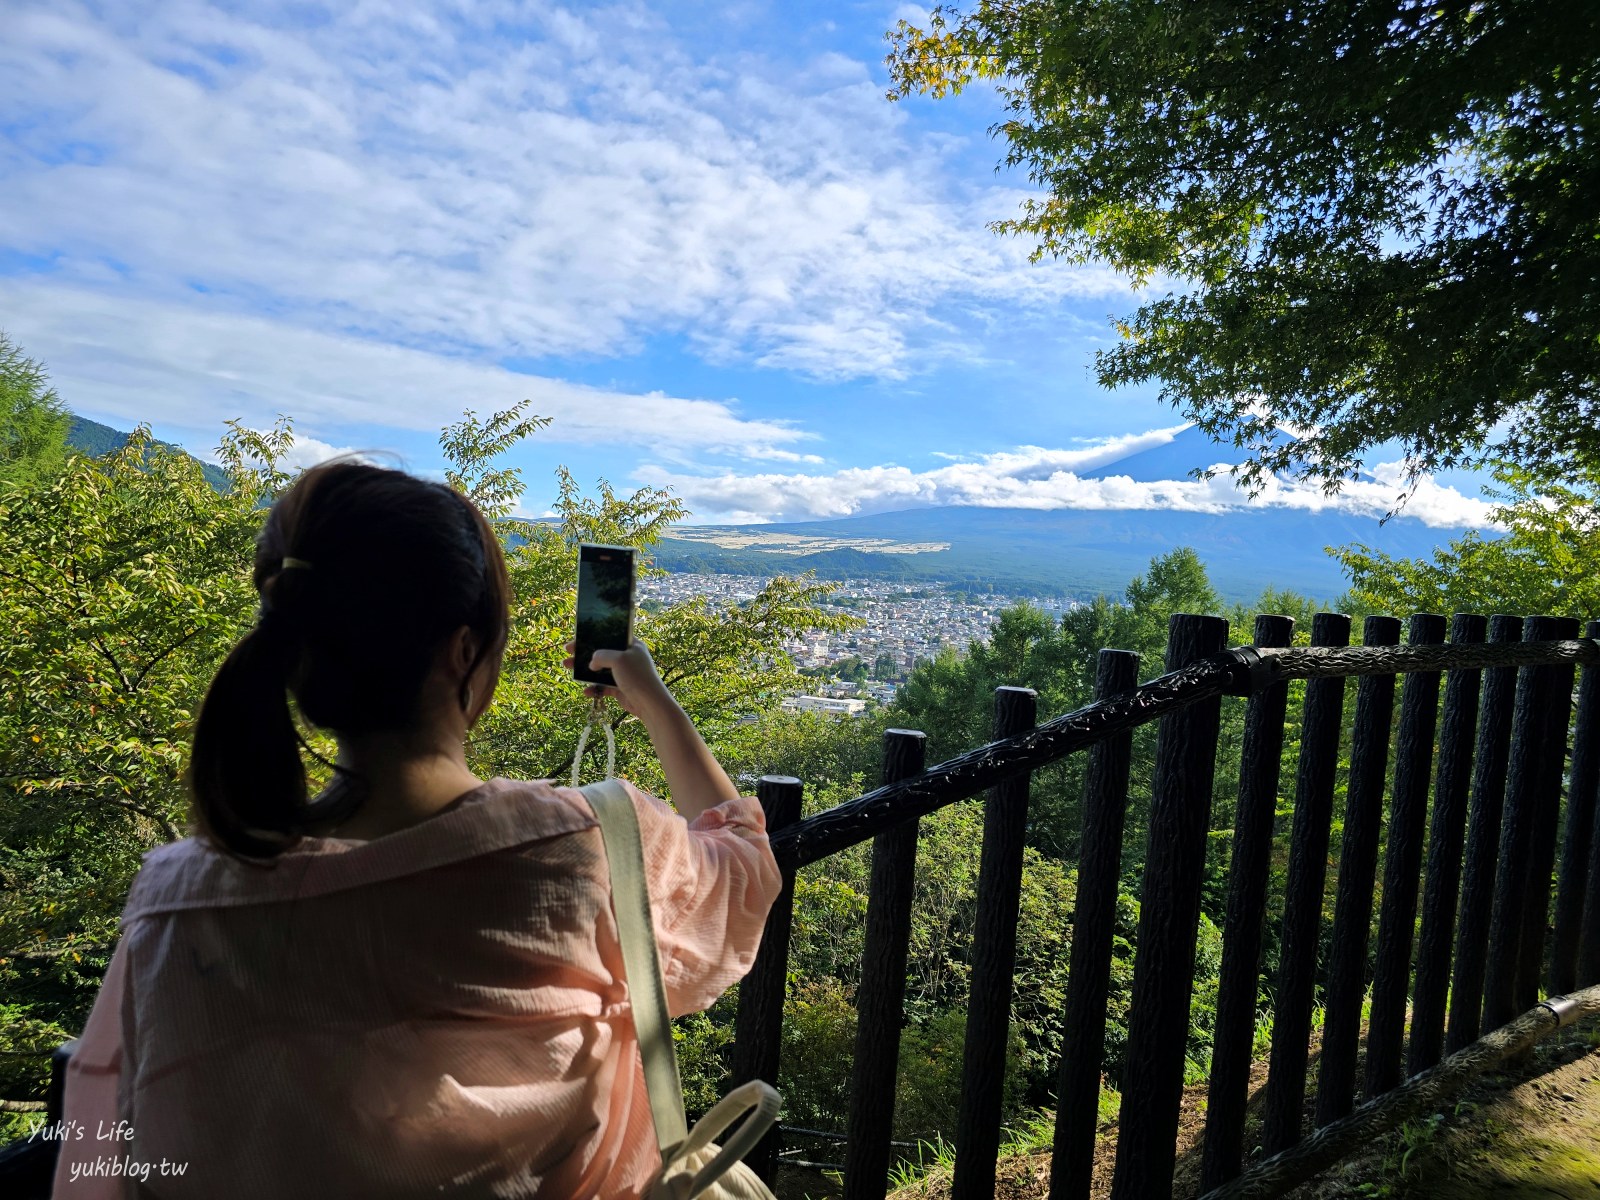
(696,236)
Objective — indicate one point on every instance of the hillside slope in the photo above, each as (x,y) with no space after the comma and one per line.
(95,440)
(1075,552)
(1061,551)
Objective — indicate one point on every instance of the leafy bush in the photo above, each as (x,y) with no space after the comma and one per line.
(703,1042)
(817,1055)
(928,1082)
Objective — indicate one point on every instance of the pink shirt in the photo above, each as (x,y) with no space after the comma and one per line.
(437,1012)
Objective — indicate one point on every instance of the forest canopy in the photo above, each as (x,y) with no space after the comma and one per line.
(1367,222)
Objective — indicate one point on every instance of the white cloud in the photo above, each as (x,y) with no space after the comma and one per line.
(497,177)
(914,13)
(309,451)
(1039,478)
(1431,503)
(167,365)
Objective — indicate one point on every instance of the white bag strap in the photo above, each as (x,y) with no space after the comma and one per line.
(761,1101)
(630,900)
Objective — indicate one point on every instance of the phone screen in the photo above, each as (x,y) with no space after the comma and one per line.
(605,607)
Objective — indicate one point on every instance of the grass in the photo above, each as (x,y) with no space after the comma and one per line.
(1109,1106)
(1032,1133)
(1261,1036)
(934,1158)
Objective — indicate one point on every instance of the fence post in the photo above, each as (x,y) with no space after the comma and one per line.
(1583,793)
(994,961)
(1520,899)
(1323,716)
(1483,841)
(1083,1026)
(1589,940)
(1260,759)
(1557,682)
(1402,863)
(881,996)
(55,1099)
(1358,869)
(758,1027)
(1169,917)
(1446,839)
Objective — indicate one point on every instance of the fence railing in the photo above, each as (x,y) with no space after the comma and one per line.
(1470,845)
(1486,787)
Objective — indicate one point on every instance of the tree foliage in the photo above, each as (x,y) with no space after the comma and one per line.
(1376,220)
(123,582)
(951,697)
(721,664)
(33,423)
(1546,562)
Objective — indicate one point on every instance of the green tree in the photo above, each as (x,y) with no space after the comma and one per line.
(849,669)
(951,697)
(1176,583)
(1547,561)
(123,582)
(1278,602)
(1377,220)
(33,423)
(825,962)
(834,759)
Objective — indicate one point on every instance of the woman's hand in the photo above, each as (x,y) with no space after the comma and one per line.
(695,779)
(638,689)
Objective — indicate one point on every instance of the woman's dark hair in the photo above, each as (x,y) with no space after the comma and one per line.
(383,566)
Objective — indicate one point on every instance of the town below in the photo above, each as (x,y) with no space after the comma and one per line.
(859,668)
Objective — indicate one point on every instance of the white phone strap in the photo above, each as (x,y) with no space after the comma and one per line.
(597,712)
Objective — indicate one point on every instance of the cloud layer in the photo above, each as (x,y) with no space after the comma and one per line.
(1039,478)
(167,365)
(498,177)
(352,213)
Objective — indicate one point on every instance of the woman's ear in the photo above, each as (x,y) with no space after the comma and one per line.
(463,650)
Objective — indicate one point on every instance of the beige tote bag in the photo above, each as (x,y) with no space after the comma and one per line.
(692,1164)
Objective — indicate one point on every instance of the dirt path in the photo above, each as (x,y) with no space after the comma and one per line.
(1528,1134)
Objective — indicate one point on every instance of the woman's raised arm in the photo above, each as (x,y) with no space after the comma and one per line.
(694,777)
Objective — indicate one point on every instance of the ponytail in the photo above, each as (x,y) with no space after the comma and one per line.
(245,773)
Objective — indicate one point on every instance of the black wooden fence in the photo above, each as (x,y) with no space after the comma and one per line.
(1492,768)
(1508,772)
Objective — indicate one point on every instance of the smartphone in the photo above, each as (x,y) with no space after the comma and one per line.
(605,607)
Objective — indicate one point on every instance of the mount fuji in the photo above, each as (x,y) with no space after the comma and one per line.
(1066,551)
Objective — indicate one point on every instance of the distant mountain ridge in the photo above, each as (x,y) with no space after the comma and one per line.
(1072,552)
(1187,451)
(1025,551)
(97,440)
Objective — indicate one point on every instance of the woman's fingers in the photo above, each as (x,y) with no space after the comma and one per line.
(636,681)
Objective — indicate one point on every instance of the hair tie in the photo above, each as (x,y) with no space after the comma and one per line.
(290,563)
